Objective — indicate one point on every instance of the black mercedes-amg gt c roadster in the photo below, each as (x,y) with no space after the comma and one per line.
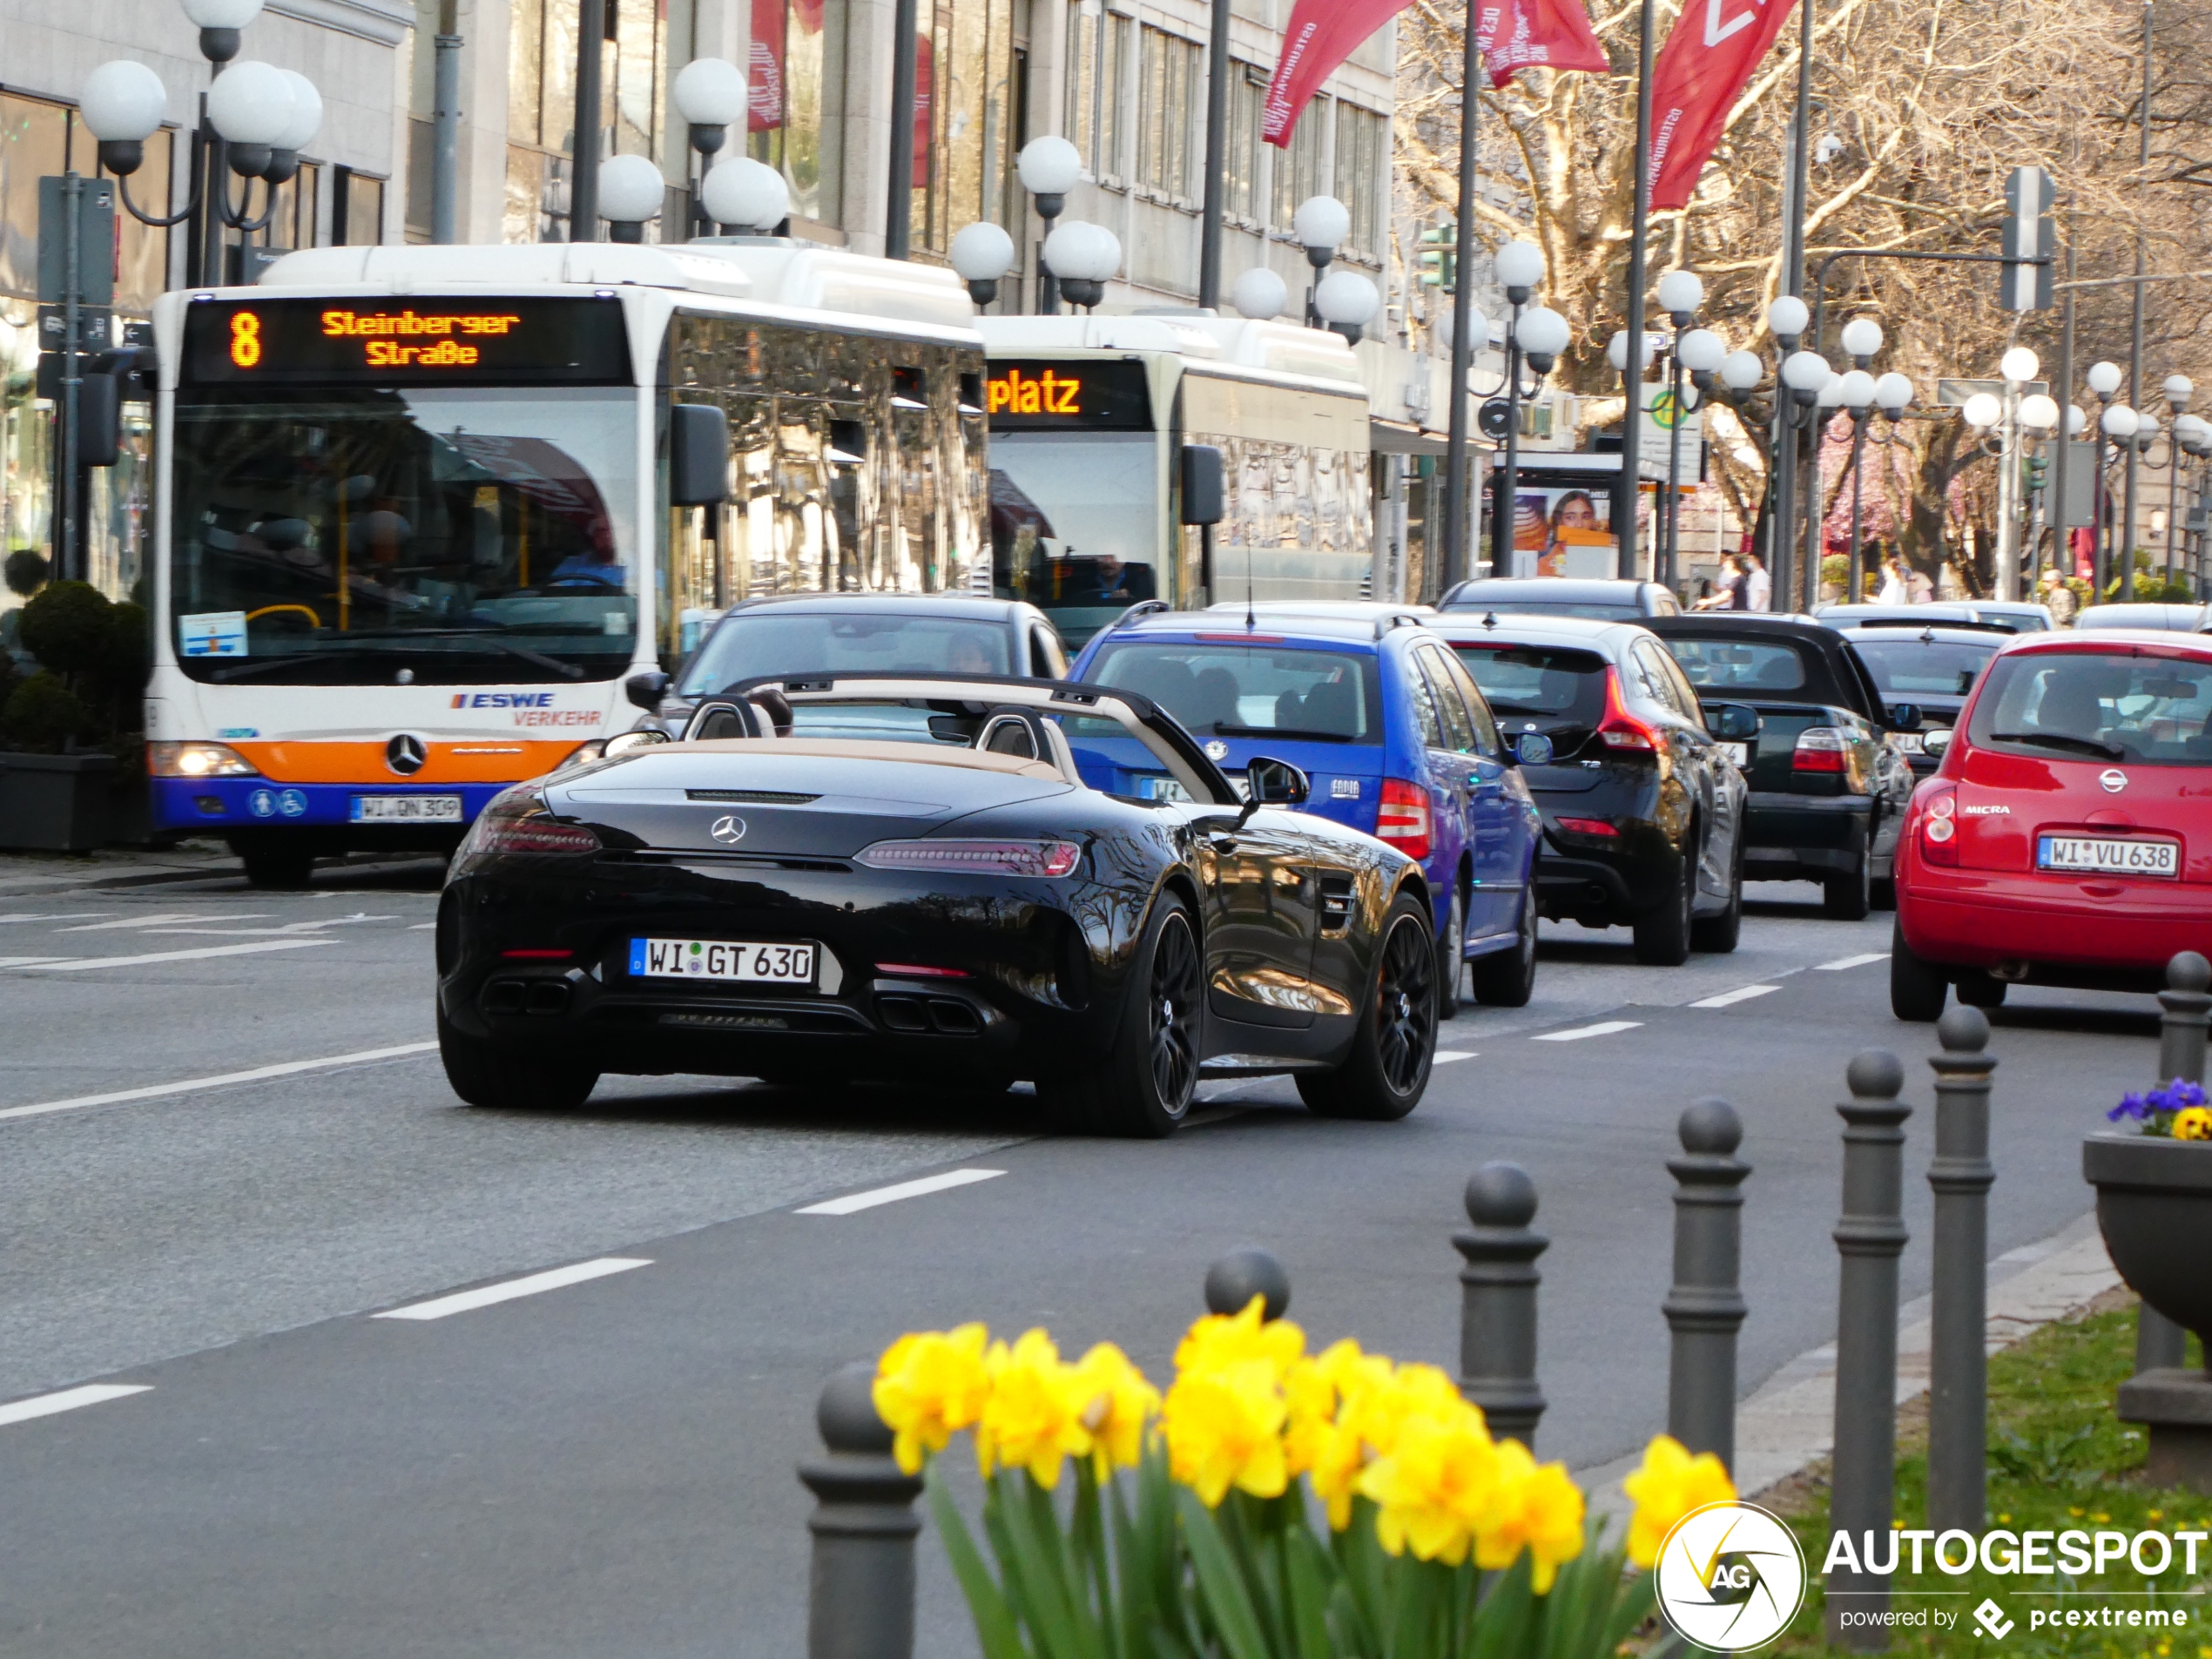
(905,877)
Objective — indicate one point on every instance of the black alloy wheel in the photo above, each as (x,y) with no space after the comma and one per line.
(1450,960)
(1383,1077)
(1145,1084)
(1507,979)
(500,1078)
(1172,1009)
(1719,934)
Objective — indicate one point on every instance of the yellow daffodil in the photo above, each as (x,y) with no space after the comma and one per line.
(1433,1485)
(1117,1403)
(1670,1484)
(1032,1417)
(1224,1338)
(928,1386)
(1534,1507)
(2193,1123)
(1223,1422)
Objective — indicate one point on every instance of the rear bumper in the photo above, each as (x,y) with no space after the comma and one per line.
(2052,931)
(1789,838)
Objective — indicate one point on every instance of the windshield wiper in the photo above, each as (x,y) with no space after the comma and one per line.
(1221,730)
(2060,740)
(567,671)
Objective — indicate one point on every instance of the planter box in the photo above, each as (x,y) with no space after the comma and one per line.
(2154,1209)
(57,803)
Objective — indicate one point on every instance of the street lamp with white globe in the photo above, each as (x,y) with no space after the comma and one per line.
(1680,294)
(1321,224)
(1787,318)
(1083,257)
(631,191)
(710,94)
(1346,302)
(1049,168)
(982,255)
(742,197)
(1259,294)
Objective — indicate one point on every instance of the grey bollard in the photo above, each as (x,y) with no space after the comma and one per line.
(1957,1355)
(2159,1343)
(1704,1307)
(1869,1235)
(1242,1274)
(860,1592)
(1498,1301)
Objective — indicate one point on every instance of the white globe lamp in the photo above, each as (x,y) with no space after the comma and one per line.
(982,255)
(1259,294)
(745,197)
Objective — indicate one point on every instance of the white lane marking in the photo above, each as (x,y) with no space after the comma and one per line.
(1729,999)
(1603,1028)
(69,1399)
(28,961)
(532,1284)
(162,919)
(289,930)
(1851,962)
(200,955)
(855,1202)
(260,1074)
(425,926)
(66,915)
(1445,1056)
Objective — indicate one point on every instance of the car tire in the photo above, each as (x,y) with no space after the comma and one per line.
(499,1078)
(1917,989)
(1506,979)
(1978,990)
(1145,1085)
(1719,935)
(1663,931)
(1849,898)
(279,867)
(1384,1076)
(1451,962)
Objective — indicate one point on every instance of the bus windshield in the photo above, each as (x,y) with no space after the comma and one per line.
(1076,524)
(438,535)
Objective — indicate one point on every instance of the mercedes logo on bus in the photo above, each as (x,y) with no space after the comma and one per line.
(406,755)
(728,828)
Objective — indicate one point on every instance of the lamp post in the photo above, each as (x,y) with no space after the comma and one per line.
(1680,294)
(1535,337)
(709,93)
(1346,302)
(2018,367)
(1321,224)
(2194,433)
(1049,168)
(1519,268)
(2039,423)
(2103,379)
(1805,375)
(742,197)
(2119,424)
(1629,492)
(631,191)
(1259,294)
(1701,354)
(2179,389)
(1786,319)
(1861,338)
(982,255)
(1084,258)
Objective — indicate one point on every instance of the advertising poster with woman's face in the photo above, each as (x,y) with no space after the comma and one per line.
(1563,532)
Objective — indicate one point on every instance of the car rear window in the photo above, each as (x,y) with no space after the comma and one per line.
(1537,683)
(1234,690)
(1913,667)
(1738,666)
(749,645)
(2097,705)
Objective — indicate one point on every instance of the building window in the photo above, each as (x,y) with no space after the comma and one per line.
(1166,95)
(541,104)
(356,208)
(1247,100)
(1362,141)
(798,57)
(1298,170)
(1098,46)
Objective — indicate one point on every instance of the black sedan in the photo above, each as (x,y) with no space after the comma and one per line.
(1829,786)
(1641,800)
(933,892)
(1929,671)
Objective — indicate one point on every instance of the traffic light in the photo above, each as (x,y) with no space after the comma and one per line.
(2039,471)
(1440,255)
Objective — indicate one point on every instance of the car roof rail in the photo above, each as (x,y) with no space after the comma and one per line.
(1142,608)
(1396,619)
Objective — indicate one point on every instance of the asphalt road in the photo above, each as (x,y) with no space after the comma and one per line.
(605,1468)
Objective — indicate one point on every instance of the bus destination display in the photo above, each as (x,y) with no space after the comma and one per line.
(415,342)
(1093,393)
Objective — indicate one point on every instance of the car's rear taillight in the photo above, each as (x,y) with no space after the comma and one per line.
(1589,826)
(1939,824)
(1405,818)
(1052,859)
(1821,748)
(1621,730)
(517,824)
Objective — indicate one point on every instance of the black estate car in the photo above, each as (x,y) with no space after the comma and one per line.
(1591,598)
(1829,786)
(1642,805)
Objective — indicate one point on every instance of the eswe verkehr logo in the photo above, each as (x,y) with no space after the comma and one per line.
(1730,1577)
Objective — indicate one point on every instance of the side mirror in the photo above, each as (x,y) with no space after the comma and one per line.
(624,743)
(1937,740)
(1276,783)
(646,689)
(1532,749)
(1202,490)
(99,421)
(1734,722)
(699,455)
(1905,717)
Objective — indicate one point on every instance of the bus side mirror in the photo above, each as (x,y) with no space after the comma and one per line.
(99,421)
(699,455)
(1200,484)
(646,689)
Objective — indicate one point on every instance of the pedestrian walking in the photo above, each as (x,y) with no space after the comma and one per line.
(1895,589)
(2058,599)
(1728,591)
(1758,586)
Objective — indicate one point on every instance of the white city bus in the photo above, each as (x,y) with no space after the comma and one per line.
(421,510)
(1090,419)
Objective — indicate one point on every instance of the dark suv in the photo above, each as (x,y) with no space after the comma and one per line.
(1557,596)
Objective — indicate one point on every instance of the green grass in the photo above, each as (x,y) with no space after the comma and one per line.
(2057,1459)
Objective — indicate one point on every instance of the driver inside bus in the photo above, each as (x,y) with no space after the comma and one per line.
(594,565)
(1123,583)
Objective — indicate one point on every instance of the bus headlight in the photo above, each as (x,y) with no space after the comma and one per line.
(197,760)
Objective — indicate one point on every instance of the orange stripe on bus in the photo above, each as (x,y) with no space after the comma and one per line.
(487,759)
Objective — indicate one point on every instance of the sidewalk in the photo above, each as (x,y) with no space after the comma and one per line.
(1790,1421)
(120,867)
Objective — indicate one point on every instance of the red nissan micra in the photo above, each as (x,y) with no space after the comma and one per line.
(2067,837)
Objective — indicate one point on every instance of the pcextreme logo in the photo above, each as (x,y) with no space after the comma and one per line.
(1730,1577)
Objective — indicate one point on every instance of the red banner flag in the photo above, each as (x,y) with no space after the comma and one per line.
(1707,60)
(1514,35)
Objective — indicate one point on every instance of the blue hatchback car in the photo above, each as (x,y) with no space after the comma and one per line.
(1389,726)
